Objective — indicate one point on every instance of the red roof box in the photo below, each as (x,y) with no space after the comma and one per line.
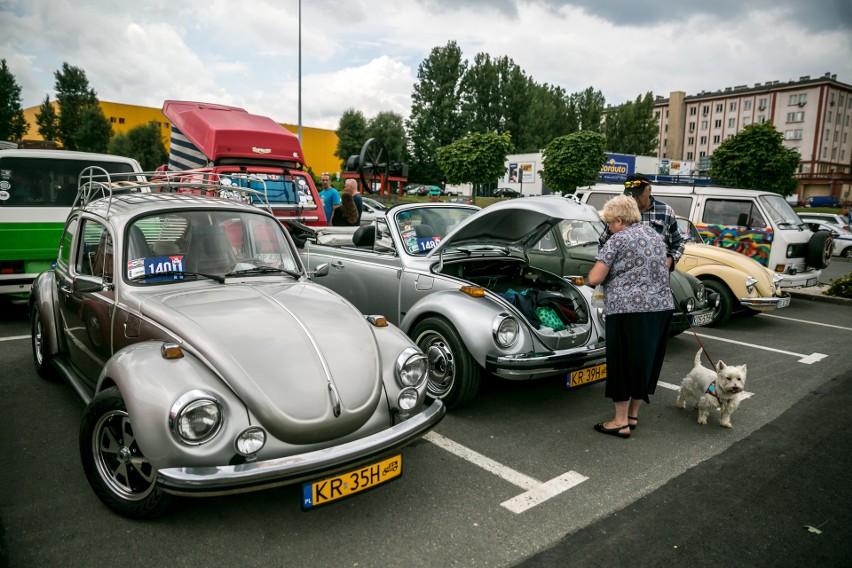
(220,131)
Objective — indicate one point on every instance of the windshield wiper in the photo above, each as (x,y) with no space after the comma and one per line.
(265,270)
(216,277)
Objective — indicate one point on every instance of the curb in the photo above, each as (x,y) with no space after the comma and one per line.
(818,297)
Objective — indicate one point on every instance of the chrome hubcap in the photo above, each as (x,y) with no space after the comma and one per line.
(442,367)
(118,459)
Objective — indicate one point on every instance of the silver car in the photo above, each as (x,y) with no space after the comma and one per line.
(457,279)
(208,363)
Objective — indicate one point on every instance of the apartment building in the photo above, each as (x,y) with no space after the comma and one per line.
(814,114)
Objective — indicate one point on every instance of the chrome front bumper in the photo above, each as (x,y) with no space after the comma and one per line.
(773,302)
(542,364)
(223,480)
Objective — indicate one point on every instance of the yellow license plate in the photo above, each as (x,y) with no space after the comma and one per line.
(333,488)
(587,375)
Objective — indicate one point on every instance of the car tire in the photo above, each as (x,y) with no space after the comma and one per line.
(454,375)
(41,359)
(114,465)
(724,306)
(847,252)
(819,250)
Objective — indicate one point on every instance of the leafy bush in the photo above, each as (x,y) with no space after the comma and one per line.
(840,287)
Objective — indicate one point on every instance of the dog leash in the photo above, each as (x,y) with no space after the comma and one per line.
(698,339)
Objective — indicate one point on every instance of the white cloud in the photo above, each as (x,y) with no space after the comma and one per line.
(364,54)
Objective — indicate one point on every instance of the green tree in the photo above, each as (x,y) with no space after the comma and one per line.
(478,158)
(47,120)
(389,127)
(351,134)
(93,130)
(73,95)
(549,115)
(515,97)
(756,158)
(631,128)
(13,125)
(479,91)
(435,118)
(589,105)
(142,143)
(571,161)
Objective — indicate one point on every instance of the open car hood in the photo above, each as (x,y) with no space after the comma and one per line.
(516,223)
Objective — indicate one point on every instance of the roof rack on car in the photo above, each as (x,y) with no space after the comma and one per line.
(96,183)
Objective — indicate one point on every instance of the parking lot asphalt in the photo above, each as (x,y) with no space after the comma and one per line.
(777,498)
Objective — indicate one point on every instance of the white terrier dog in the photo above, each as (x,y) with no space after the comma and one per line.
(708,389)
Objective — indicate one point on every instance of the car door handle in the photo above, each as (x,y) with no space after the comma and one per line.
(337,263)
(65,289)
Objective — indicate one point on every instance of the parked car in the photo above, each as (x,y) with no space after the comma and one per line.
(842,238)
(208,363)
(742,283)
(837,219)
(460,199)
(570,249)
(372,208)
(458,281)
(415,189)
(822,201)
(506,192)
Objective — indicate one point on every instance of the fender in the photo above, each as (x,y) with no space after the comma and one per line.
(457,308)
(150,386)
(43,294)
(726,275)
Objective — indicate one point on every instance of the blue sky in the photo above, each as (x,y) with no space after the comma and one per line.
(365,54)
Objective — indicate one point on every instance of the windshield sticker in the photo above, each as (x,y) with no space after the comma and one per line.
(428,243)
(156,265)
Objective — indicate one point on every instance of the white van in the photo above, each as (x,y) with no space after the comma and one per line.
(759,224)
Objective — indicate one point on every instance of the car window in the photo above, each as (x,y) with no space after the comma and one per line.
(682,205)
(576,232)
(64,257)
(206,242)
(95,254)
(733,212)
(423,228)
(780,212)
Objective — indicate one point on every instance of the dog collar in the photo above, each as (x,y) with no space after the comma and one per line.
(711,390)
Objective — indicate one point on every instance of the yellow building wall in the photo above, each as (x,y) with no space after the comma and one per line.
(318,144)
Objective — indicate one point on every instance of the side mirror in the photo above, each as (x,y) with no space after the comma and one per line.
(742,220)
(321,270)
(85,284)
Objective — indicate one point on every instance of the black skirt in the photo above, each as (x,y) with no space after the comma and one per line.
(635,349)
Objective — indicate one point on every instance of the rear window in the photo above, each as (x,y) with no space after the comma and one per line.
(45,182)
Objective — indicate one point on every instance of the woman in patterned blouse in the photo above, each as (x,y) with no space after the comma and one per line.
(638,305)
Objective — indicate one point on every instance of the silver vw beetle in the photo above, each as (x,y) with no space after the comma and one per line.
(208,363)
(458,280)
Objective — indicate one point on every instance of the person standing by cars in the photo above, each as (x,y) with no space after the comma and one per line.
(351,187)
(655,213)
(330,197)
(638,305)
(347,214)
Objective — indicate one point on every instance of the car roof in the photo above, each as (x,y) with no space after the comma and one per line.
(127,205)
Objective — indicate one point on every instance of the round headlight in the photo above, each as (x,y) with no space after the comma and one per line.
(700,291)
(407,399)
(411,367)
(505,330)
(196,417)
(690,304)
(250,441)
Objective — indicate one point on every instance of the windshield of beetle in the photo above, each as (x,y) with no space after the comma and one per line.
(205,242)
(423,228)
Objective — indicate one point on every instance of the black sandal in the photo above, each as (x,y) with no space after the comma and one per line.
(632,426)
(599,427)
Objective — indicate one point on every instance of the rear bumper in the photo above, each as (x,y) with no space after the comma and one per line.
(800,279)
(222,480)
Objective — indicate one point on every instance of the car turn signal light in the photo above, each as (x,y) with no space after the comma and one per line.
(171,351)
(473,291)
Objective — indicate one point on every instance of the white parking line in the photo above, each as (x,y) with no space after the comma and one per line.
(14,337)
(806,321)
(536,491)
(805,359)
